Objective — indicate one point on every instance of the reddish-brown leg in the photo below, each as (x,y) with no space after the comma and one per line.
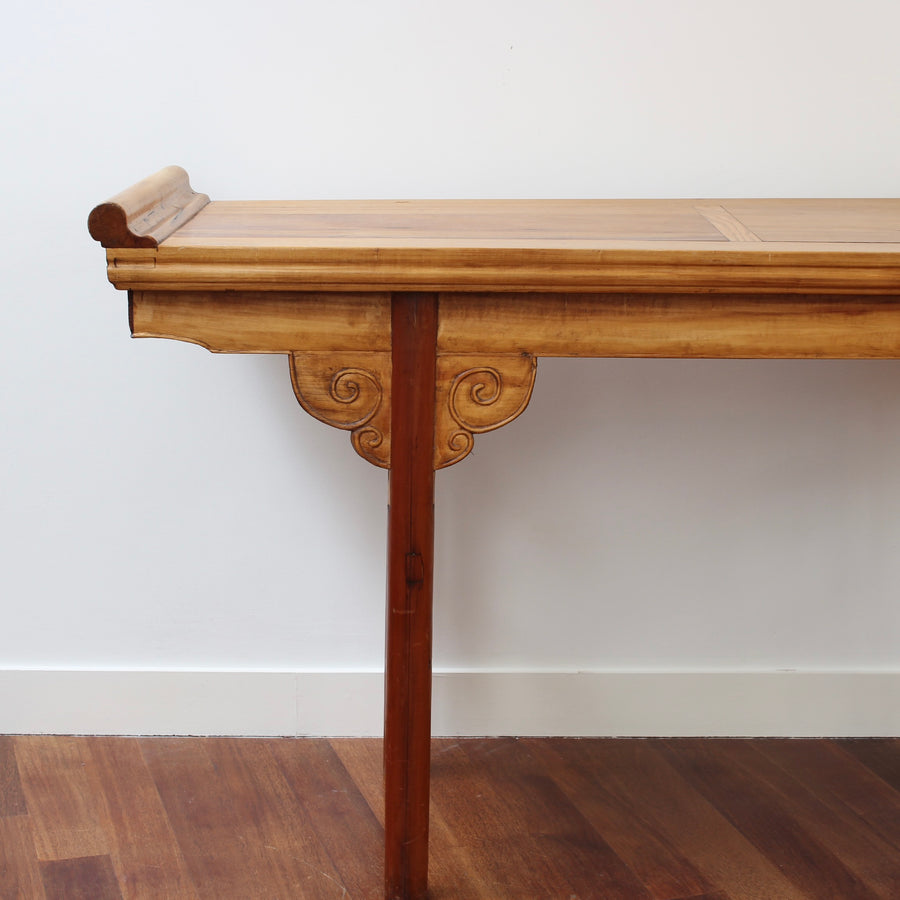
(407,727)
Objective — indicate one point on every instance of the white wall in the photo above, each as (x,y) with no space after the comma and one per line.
(167,509)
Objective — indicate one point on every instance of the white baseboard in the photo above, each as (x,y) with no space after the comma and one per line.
(640,704)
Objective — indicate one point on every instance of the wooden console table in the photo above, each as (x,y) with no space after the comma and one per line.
(416,325)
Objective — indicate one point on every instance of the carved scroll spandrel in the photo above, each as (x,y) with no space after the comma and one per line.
(351,391)
(477,394)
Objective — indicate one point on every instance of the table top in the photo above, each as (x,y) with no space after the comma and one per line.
(525,224)
(163,235)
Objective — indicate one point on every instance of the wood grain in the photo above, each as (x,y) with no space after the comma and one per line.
(148,212)
(452,864)
(88,878)
(638,774)
(671,325)
(297,860)
(677,267)
(350,390)
(718,895)
(571,852)
(840,779)
(454,222)
(410,577)
(265,322)
(362,760)
(832,246)
(879,755)
(525,223)
(65,800)
(856,844)
(12,799)
(476,394)
(659,865)
(473,806)
(240,819)
(223,844)
(727,224)
(837,221)
(335,810)
(143,849)
(766,821)
(20,875)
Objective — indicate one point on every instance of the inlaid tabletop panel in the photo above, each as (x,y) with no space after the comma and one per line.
(444,223)
(536,223)
(837,221)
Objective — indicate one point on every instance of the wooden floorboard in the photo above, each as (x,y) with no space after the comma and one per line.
(20,874)
(143,847)
(865,855)
(617,815)
(336,809)
(766,820)
(64,797)
(545,826)
(12,799)
(659,798)
(512,819)
(841,781)
(881,756)
(88,878)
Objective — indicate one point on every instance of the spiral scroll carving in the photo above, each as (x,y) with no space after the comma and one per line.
(352,391)
(472,392)
(349,393)
(368,442)
(478,397)
(359,393)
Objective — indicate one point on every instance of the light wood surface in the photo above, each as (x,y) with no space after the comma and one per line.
(415,325)
(265,321)
(148,212)
(350,391)
(833,246)
(677,267)
(692,326)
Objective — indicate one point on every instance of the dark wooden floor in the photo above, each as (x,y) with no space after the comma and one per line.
(230,819)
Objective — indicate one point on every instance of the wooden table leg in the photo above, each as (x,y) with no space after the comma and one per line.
(407,728)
